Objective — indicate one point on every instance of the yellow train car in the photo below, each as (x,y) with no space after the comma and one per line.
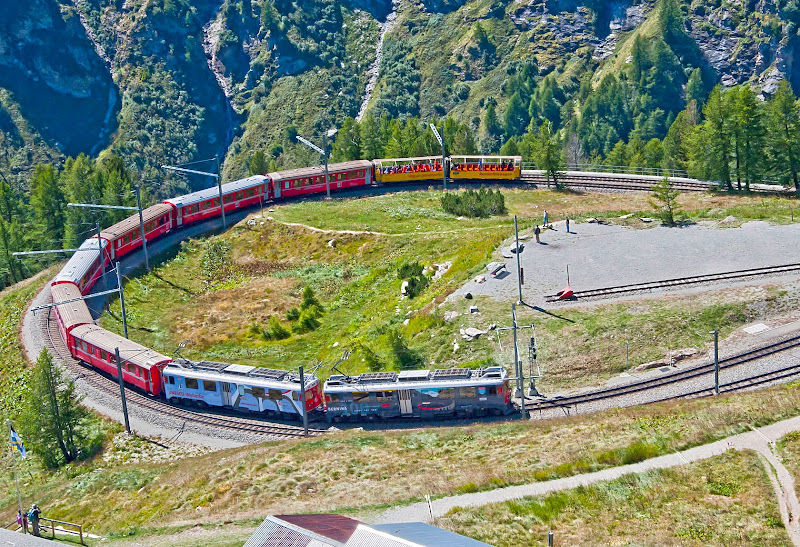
(408,169)
(485,167)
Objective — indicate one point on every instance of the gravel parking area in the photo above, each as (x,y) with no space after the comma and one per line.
(601,255)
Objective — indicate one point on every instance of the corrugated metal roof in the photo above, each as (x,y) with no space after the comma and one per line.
(74,313)
(329,525)
(128,349)
(81,262)
(319,170)
(274,532)
(211,193)
(132,222)
(421,533)
(364,536)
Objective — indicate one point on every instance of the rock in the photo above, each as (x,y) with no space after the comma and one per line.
(403,288)
(455,345)
(331,244)
(479,279)
(629,215)
(250,222)
(728,220)
(646,219)
(491,327)
(333,346)
(448,315)
(473,333)
(472,309)
(468,296)
(669,359)
(404,322)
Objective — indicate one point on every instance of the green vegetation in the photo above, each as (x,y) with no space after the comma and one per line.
(726,499)
(481,204)
(665,201)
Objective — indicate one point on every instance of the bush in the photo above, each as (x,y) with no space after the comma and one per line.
(275,330)
(293,314)
(307,321)
(481,204)
(409,269)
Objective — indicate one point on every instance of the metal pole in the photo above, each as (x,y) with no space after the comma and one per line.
(141,227)
(100,248)
(519,277)
(627,354)
(517,363)
(716,362)
(16,479)
(444,170)
(303,400)
(325,159)
(219,186)
(122,391)
(122,302)
(550,539)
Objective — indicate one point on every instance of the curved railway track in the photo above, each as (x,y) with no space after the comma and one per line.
(678,282)
(686,374)
(111,387)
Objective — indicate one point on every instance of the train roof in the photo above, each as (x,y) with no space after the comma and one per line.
(81,262)
(319,170)
(210,193)
(417,379)
(486,157)
(132,222)
(254,376)
(128,349)
(73,313)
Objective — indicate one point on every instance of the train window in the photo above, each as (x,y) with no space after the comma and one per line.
(228,198)
(275,394)
(384,396)
(286,185)
(361,173)
(215,203)
(333,398)
(447,393)
(250,192)
(360,397)
(162,221)
(492,390)
(239,195)
(209,385)
(171,380)
(103,355)
(259,392)
(191,383)
(466,392)
(83,345)
(295,395)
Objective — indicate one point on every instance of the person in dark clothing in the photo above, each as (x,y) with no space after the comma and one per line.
(33,517)
(536,232)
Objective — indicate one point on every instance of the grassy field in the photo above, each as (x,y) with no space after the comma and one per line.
(349,252)
(362,472)
(725,500)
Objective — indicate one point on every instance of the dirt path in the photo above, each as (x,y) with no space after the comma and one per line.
(761,440)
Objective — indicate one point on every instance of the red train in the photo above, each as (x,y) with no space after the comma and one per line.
(143,367)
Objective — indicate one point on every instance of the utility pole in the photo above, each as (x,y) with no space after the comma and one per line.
(322,152)
(122,301)
(303,400)
(716,362)
(441,143)
(100,248)
(214,175)
(16,479)
(141,226)
(122,390)
(519,271)
(518,364)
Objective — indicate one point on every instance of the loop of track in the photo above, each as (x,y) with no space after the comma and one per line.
(104,384)
(678,282)
(684,375)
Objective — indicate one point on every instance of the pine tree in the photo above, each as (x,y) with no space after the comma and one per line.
(371,141)
(510,148)
(665,201)
(116,189)
(695,88)
(516,116)
(47,203)
(52,418)
(714,152)
(347,146)
(80,182)
(258,164)
(783,114)
(676,143)
(548,154)
(750,121)
(490,122)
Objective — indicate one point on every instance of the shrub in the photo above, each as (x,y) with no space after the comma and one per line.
(409,269)
(481,204)
(293,314)
(307,321)
(275,330)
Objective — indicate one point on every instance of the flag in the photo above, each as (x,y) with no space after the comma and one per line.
(16,442)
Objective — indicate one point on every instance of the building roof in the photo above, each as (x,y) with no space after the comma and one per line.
(328,530)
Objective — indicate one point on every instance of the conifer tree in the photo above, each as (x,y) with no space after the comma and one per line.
(47,203)
(783,137)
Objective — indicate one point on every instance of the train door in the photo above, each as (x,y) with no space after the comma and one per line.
(405,401)
(226,394)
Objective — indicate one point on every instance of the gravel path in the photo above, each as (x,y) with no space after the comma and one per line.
(607,255)
(761,440)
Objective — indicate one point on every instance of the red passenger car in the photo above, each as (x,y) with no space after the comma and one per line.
(85,267)
(71,314)
(126,236)
(141,366)
(204,204)
(311,180)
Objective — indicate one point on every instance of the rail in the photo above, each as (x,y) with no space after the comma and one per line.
(76,531)
(615,169)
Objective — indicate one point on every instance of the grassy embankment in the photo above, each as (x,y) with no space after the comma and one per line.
(354,276)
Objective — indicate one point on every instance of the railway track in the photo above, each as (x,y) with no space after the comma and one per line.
(608,182)
(684,375)
(678,282)
(111,387)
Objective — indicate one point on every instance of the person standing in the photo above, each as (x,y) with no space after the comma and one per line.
(33,516)
(567,224)
(545,219)
(536,232)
